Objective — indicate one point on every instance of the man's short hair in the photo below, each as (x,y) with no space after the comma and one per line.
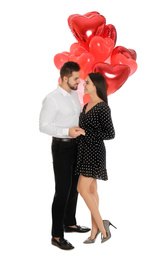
(68,68)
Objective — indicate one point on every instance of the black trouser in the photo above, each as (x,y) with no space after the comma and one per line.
(65,198)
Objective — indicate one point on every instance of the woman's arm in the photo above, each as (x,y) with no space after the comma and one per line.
(105,131)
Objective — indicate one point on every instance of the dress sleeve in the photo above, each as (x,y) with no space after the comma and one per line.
(105,131)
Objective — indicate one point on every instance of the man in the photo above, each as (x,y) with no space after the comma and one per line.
(59,118)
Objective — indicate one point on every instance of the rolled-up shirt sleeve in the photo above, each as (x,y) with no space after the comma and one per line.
(47,120)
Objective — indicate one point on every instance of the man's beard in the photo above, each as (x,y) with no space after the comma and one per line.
(72,87)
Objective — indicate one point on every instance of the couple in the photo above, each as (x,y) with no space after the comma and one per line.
(78,151)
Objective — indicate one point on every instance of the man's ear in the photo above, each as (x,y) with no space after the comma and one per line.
(65,79)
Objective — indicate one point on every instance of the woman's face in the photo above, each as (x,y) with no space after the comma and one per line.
(89,87)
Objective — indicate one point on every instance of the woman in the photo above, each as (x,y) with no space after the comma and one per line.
(96,121)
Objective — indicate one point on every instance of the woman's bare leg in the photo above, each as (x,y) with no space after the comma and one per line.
(93,190)
(84,185)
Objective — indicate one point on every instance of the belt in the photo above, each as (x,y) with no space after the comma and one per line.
(63,139)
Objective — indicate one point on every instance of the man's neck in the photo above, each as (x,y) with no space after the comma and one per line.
(65,87)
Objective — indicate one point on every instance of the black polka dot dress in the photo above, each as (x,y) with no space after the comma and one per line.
(98,126)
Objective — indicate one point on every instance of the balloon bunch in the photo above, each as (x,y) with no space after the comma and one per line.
(95,51)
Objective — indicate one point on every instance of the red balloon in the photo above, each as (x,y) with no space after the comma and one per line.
(86,98)
(72,57)
(86,62)
(85,27)
(59,80)
(101,48)
(91,14)
(66,53)
(121,55)
(122,59)
(60,59)
(87,15)
(77,49)
(129,53)
(110,31)
(74,46)
(134,54)
(70,17)
(115,75)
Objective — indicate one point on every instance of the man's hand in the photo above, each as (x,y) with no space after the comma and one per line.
(81,131)
(75,131)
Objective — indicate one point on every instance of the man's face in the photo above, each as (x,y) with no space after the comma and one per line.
(74,80)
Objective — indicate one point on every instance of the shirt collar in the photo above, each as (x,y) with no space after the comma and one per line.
(63,91)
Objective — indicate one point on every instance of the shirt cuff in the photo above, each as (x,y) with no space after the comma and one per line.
(65,131)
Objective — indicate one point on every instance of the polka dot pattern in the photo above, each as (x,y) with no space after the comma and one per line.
(98,126)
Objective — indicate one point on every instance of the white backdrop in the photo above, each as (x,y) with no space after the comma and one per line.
(32,32)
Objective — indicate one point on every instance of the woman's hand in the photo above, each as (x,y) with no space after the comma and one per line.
(74,131)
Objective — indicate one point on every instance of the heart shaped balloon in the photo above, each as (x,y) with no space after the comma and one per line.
(134,54)
(115,75)
(60,59)
(129,53)
(77,49)
(85,27)
(86,62)
(87,15)
(101,48)
(125,60)
(110,31)
(91,13)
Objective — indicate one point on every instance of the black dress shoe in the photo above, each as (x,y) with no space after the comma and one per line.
(63,244)
(78,229)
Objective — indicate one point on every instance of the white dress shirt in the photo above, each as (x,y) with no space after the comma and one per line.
(60,111)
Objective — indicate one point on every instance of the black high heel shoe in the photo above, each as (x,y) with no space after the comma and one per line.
(107,224)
